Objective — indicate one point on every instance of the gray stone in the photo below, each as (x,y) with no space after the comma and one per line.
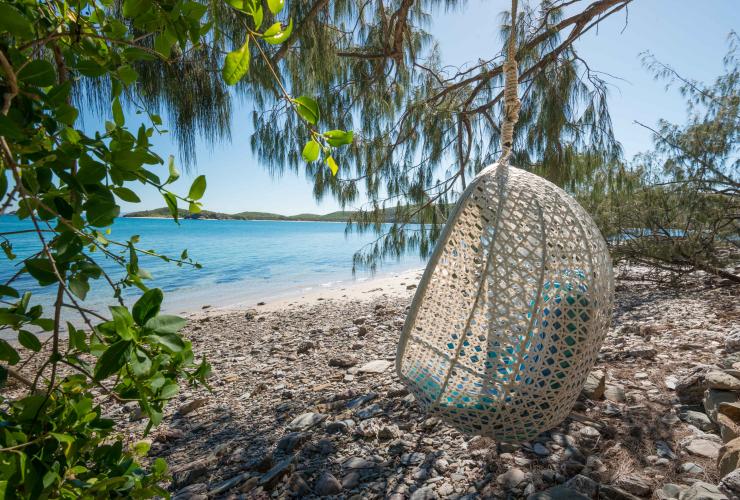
(376,366)
(721,380)
(690,388)
(272,476)
(702,491)
(195,491)
(697,419)
(425,493)
(732,342)
(298,486)
(291,441)
(327,485)
(670,491)
(446,489)
(583,484)
(558,493)
(595,385)
(369,412)
(703,448)
(714,398)
(351,480)
(511,478)
(615,393)
(731,483)
(691,468)
(192,406)
(343,362)
(412,458)
(357,463)
(664,450)
(305,421)
(540,450)
(634,484)
(609,492)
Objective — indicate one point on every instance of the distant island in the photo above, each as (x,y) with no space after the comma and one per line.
(164,213)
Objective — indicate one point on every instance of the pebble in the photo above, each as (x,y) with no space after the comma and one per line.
(703,448)
(377,366)
(305,421)
(327,485)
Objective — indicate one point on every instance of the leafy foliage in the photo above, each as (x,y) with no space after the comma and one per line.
(55,59)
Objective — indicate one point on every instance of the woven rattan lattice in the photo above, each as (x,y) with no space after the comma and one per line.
(511,311)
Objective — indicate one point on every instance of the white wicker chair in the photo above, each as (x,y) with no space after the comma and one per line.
(511,311)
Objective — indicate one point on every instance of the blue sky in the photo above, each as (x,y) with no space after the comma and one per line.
(690,36)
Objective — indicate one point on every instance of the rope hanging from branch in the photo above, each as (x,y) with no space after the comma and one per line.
(511,99)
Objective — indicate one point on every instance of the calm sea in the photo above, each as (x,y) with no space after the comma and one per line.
(242,260)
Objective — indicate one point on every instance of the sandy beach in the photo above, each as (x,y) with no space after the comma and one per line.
(305,403)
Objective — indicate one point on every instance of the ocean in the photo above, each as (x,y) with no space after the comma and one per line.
(242,261)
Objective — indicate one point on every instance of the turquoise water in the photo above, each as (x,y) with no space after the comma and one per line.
(242,260)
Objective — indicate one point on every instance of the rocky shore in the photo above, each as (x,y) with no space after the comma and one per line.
(305,403)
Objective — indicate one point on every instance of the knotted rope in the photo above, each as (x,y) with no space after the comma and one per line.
(512,104)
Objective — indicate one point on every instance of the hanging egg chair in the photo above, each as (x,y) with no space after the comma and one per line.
(511,311)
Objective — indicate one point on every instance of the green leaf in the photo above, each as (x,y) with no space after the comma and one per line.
(38,72)
(169,391)
(76,338)
(194,207)
(112,360)
(311,151)
(6,291)
(236,64)
(134,8)
(29,340)
(174,173)
(7,353)
(42,270)
(141,448)
(166,324)
(147,306)
(12,21)
(79,286)
(101,211)
(9,129)
(275,6)
(170,341)
(127,74)
(257,15)
(332,165)
(163,44)
(308,109)
(123,321)
(276,34)
(126,194)
(118,117)
(198,188)
(339,137)
(171,201)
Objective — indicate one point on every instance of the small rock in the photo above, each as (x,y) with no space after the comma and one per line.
(595,385)
(357,463)
(197,491)
(376,366)
(634,484)
(691,468)
(540,450)
(732,342)
(615,393)
(713,398)
(558,493)
(306,346)
(425,493)
(297,486)
(703,448)
(250,314)
(305,421)
(512,478)
(327,485)
(729,457)
(192,406)
(412,458)
(583,485)
(702,491)
(721,380)
(291,441)
(690,388)
(369,411)
(731,483)
(697,419)
(271,477)
(609,492)
(670,491)
(343,362)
